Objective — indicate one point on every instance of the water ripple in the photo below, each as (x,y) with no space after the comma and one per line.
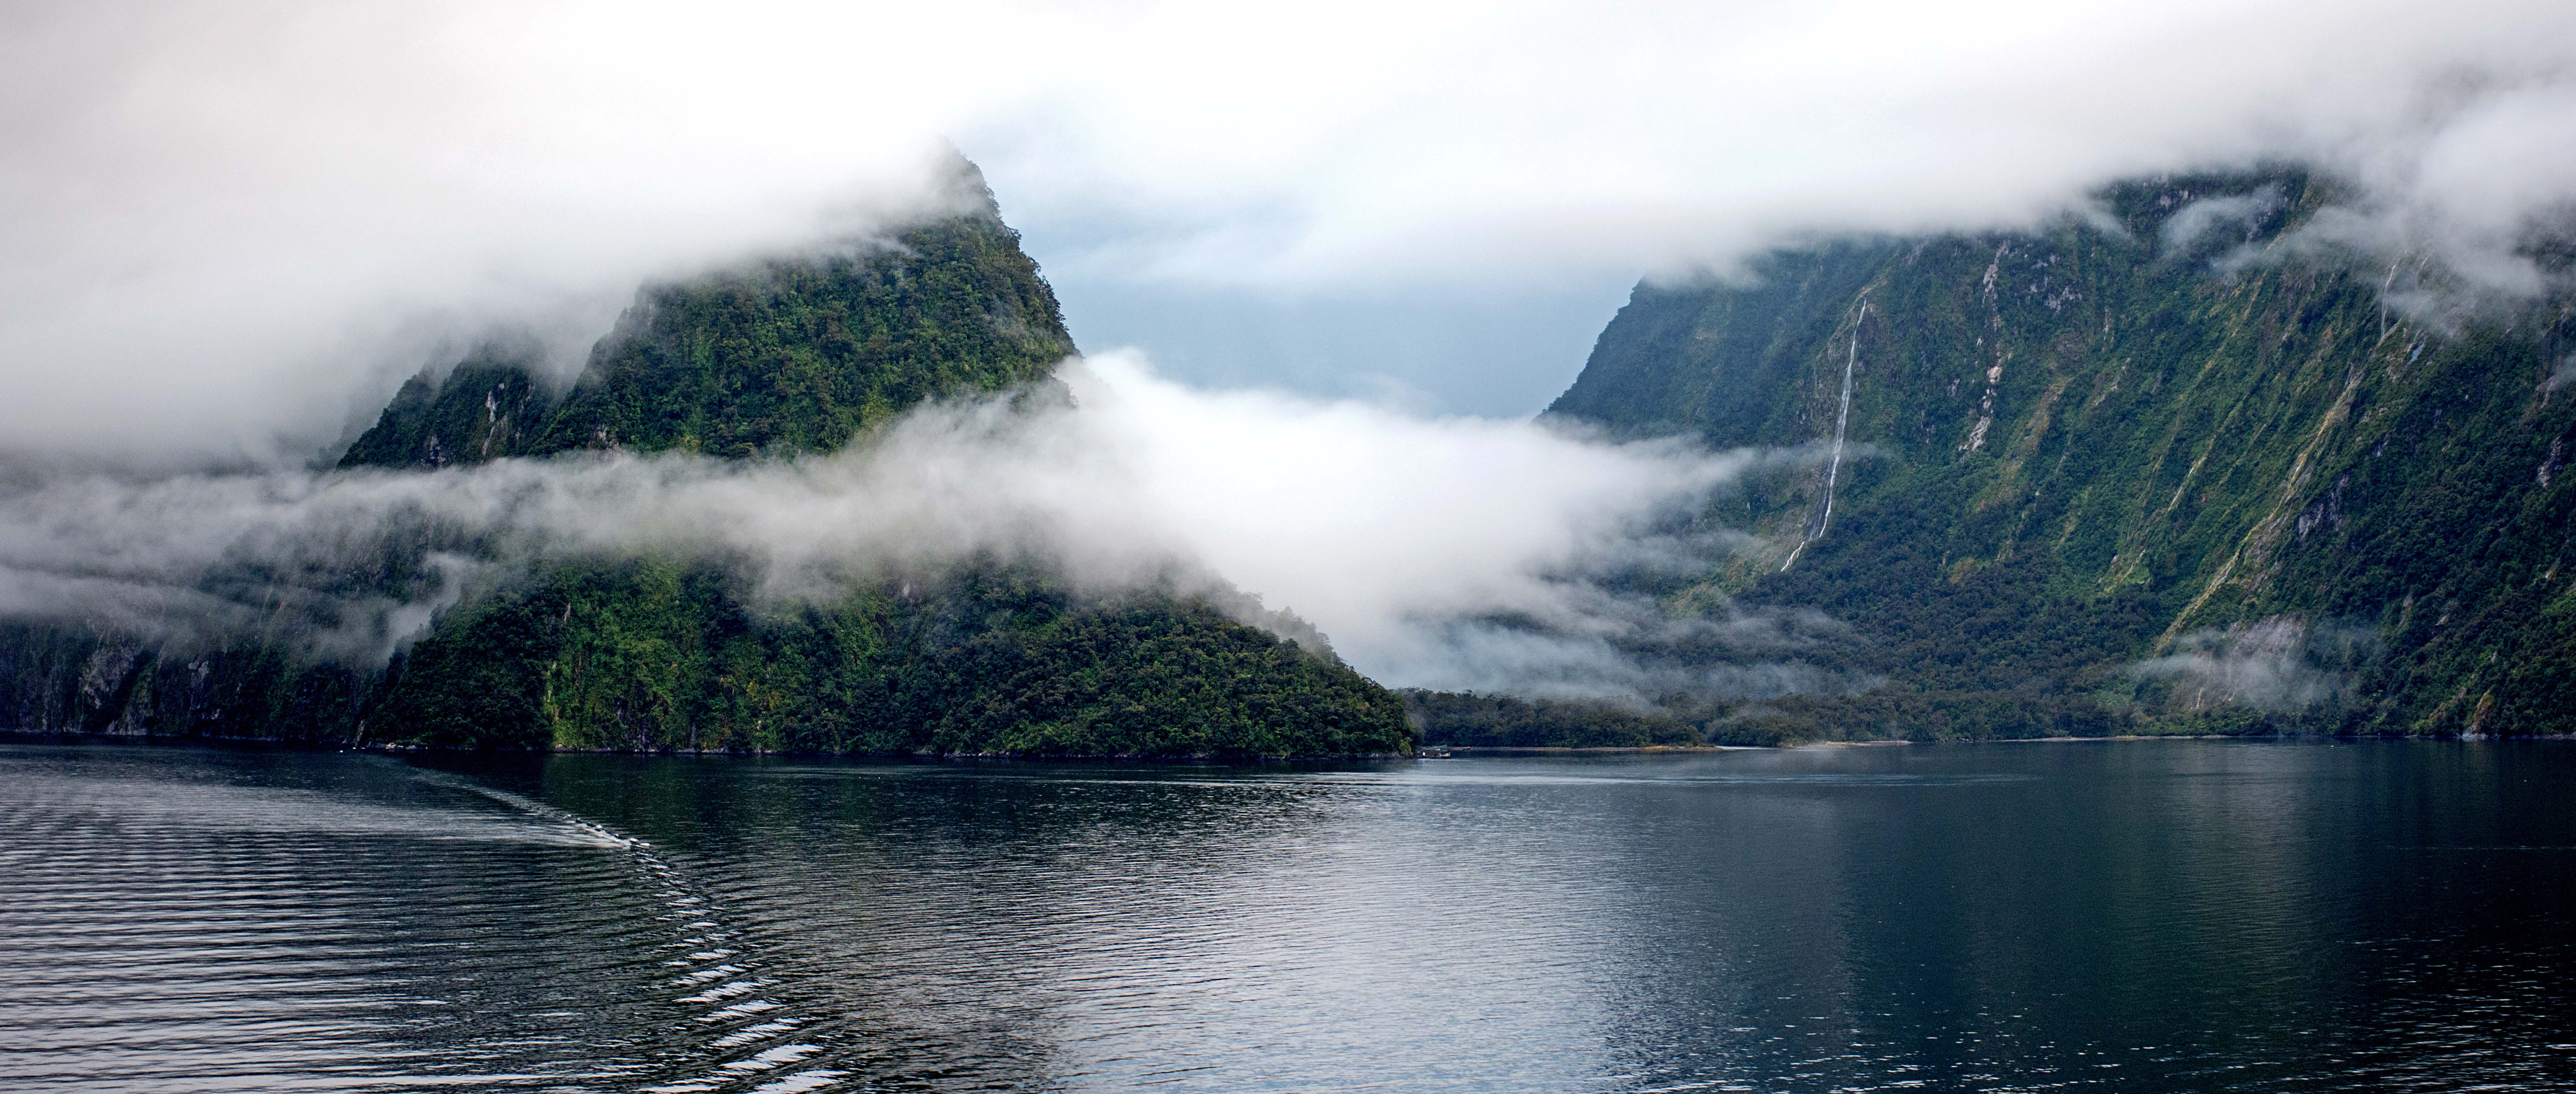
(2164,917)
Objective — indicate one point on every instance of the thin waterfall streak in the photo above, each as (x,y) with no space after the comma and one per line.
(1842,422)
(1834,467)
(2384,286)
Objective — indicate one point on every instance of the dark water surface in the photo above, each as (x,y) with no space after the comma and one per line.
(2150,916)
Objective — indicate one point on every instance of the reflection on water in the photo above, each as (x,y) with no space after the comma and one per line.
(2179,915)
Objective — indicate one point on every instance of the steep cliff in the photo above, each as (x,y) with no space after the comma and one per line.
(2173,467)
(776,359)
(781,356)
(799,356)
(483,409)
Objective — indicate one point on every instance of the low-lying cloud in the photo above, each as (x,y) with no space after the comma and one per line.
(2276,664)
(1386,530)
(226,231)
(226,234)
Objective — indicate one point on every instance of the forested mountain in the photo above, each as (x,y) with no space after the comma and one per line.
(2178,466)
(481,410)
(1471,720)
(789,356)
(798,356)
(652,654)
(784,356)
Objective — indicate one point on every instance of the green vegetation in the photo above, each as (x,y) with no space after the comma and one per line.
(2139,481)
(1467,719)
(784,357)
(479,411)
(655,655)
(2161,471)
(78,679)
(801,356)
(671,653)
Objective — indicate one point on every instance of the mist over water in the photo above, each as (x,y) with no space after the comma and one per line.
(1382,527)
(2154,916)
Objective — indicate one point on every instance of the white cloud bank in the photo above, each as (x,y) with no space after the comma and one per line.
(2279,663)
(225,228)
(1383,529)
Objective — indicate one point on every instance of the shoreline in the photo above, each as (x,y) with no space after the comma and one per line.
(39,736)
(1425,752)
(2268,737)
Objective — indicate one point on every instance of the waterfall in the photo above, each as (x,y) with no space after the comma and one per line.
(1834,467)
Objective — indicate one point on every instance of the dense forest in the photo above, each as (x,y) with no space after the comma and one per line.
(647,655)
(2171,466)
(797,355)
(2176,467)
(1472,720)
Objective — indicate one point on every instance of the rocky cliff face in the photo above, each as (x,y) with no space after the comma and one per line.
(483,409)
(2174,467)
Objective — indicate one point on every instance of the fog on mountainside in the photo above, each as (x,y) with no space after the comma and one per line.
(851,499)
(230,235)
(2144,422)
(2190,464)
(1138,476)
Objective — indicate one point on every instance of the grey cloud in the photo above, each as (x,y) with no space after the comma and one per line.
(2184,232)
(2279,663)
(1378,526)
(2559,376)
(224,233)
(1494,659)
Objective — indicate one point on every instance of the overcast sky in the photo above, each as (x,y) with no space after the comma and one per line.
(225,230)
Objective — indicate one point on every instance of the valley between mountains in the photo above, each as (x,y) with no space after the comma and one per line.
(2176,465)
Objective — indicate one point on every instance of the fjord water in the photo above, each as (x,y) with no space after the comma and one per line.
(2170,915)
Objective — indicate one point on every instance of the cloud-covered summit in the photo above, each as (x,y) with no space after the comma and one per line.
(226,232)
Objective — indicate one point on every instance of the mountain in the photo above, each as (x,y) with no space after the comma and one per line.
(651,655)
(780,357)
(799,356)
(802,354)
(2174,466)
(483,409)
